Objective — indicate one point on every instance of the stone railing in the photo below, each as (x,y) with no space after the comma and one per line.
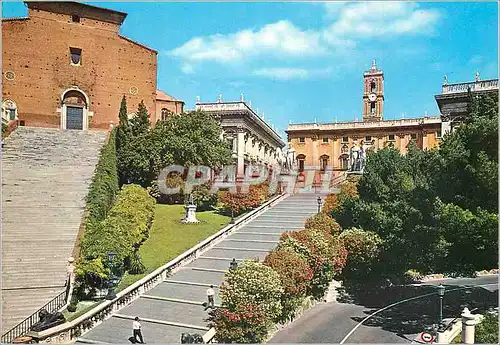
(69,331)
(481,85)
(362,125)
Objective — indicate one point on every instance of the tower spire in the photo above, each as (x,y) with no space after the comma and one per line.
(374,65)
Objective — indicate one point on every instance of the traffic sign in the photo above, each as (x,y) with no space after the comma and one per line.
(427,337)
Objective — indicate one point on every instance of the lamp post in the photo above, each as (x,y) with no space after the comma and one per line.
(232,216)
(440,290)
(320,202)
(111,280)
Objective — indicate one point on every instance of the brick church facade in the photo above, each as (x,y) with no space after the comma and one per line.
(67,66)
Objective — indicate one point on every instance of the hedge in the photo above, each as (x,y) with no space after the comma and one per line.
(121,232)
(104,185)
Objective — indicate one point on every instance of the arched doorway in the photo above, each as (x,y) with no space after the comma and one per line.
(301,161)
(323,162)
(9,111)
(74,111)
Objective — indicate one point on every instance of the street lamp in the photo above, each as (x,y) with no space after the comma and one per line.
(320,202)
(440,290)
(112,279)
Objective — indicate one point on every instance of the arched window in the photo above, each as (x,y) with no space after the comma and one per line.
(373,86)
(344,162)
(301,162)
(372,107)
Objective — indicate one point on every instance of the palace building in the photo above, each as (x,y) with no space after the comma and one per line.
(67,66)
(251,139)
(328,146)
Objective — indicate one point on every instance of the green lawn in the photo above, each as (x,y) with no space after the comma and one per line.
(168,238)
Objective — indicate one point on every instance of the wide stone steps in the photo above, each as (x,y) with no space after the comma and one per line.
(45,178)
(175,305)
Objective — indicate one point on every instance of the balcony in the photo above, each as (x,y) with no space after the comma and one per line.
(475,86)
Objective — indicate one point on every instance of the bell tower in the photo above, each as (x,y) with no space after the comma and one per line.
(373,94)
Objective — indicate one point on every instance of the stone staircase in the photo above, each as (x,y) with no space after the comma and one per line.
(175,305)
(45,177)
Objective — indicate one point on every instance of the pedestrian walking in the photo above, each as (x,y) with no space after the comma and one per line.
(233,265)
(210,296)
(137,330)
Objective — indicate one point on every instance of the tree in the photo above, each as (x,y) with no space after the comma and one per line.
(140,122)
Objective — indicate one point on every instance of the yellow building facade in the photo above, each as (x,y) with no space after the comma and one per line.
(328,146)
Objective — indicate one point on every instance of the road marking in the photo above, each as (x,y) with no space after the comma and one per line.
(162,322)
(207,269)
(403,301)
(243,249)
(189,283)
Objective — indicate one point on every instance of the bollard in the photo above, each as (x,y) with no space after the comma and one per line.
(468,326)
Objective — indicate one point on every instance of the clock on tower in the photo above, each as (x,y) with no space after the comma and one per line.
(373,94)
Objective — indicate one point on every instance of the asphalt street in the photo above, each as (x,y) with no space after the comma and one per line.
(331,322)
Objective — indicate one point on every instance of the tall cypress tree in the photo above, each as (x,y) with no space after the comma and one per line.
(123,112)
(140,122)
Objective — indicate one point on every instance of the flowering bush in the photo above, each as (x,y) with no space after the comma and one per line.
(324,254)
(247,324)
(241,202)
(295,275)
(323,222)
(363,247)
(253,283)
(330,204)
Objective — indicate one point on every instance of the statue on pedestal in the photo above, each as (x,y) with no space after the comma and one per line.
(190,212)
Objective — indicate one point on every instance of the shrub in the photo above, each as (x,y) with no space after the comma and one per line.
(247,324)
(241,202)
(136,266)
(72,304)
(104,185)
(295,275)
(487,329)
(323,222)
(125,227)
(325,256)
(253,283)
(203,198)
(331,203)
(363,248)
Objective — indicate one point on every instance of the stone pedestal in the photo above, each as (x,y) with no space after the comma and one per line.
(190,214)
(468,326)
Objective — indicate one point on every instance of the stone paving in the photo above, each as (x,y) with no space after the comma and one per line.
(45,177)
(175,305)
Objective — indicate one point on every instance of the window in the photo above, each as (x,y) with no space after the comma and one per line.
(372,107)
(373,87)
(413,136)
(391,137)
(345,139)
(344,162)
(302,140)
(438,134)
(75,18)
(325,140)
(301,165)
(76,56)
(230,143)
(368,138)
(324,163)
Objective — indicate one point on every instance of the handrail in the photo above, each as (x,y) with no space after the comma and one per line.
(24,326)
(75,328)
(479,85)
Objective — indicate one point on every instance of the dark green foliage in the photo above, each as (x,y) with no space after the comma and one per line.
(72,304)
(487,330)
(434,210)
(188,139)
(203,198)
(136,266)
(104,186)
(121,232)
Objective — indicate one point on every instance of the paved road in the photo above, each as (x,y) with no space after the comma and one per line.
(331,322)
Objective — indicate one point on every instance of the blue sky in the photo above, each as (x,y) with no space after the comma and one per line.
(305,61)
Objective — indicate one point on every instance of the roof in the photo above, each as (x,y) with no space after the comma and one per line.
(69,7)
(162,96)
(139,44)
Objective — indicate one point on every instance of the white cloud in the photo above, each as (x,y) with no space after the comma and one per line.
(349,24)
(282,38)
(283,73)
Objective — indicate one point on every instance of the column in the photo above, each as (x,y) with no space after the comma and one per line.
(314,160)
(425,141)
(336,153)
(468,326)
(240,151)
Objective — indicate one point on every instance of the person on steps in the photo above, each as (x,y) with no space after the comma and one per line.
(137,330)
(210,296)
